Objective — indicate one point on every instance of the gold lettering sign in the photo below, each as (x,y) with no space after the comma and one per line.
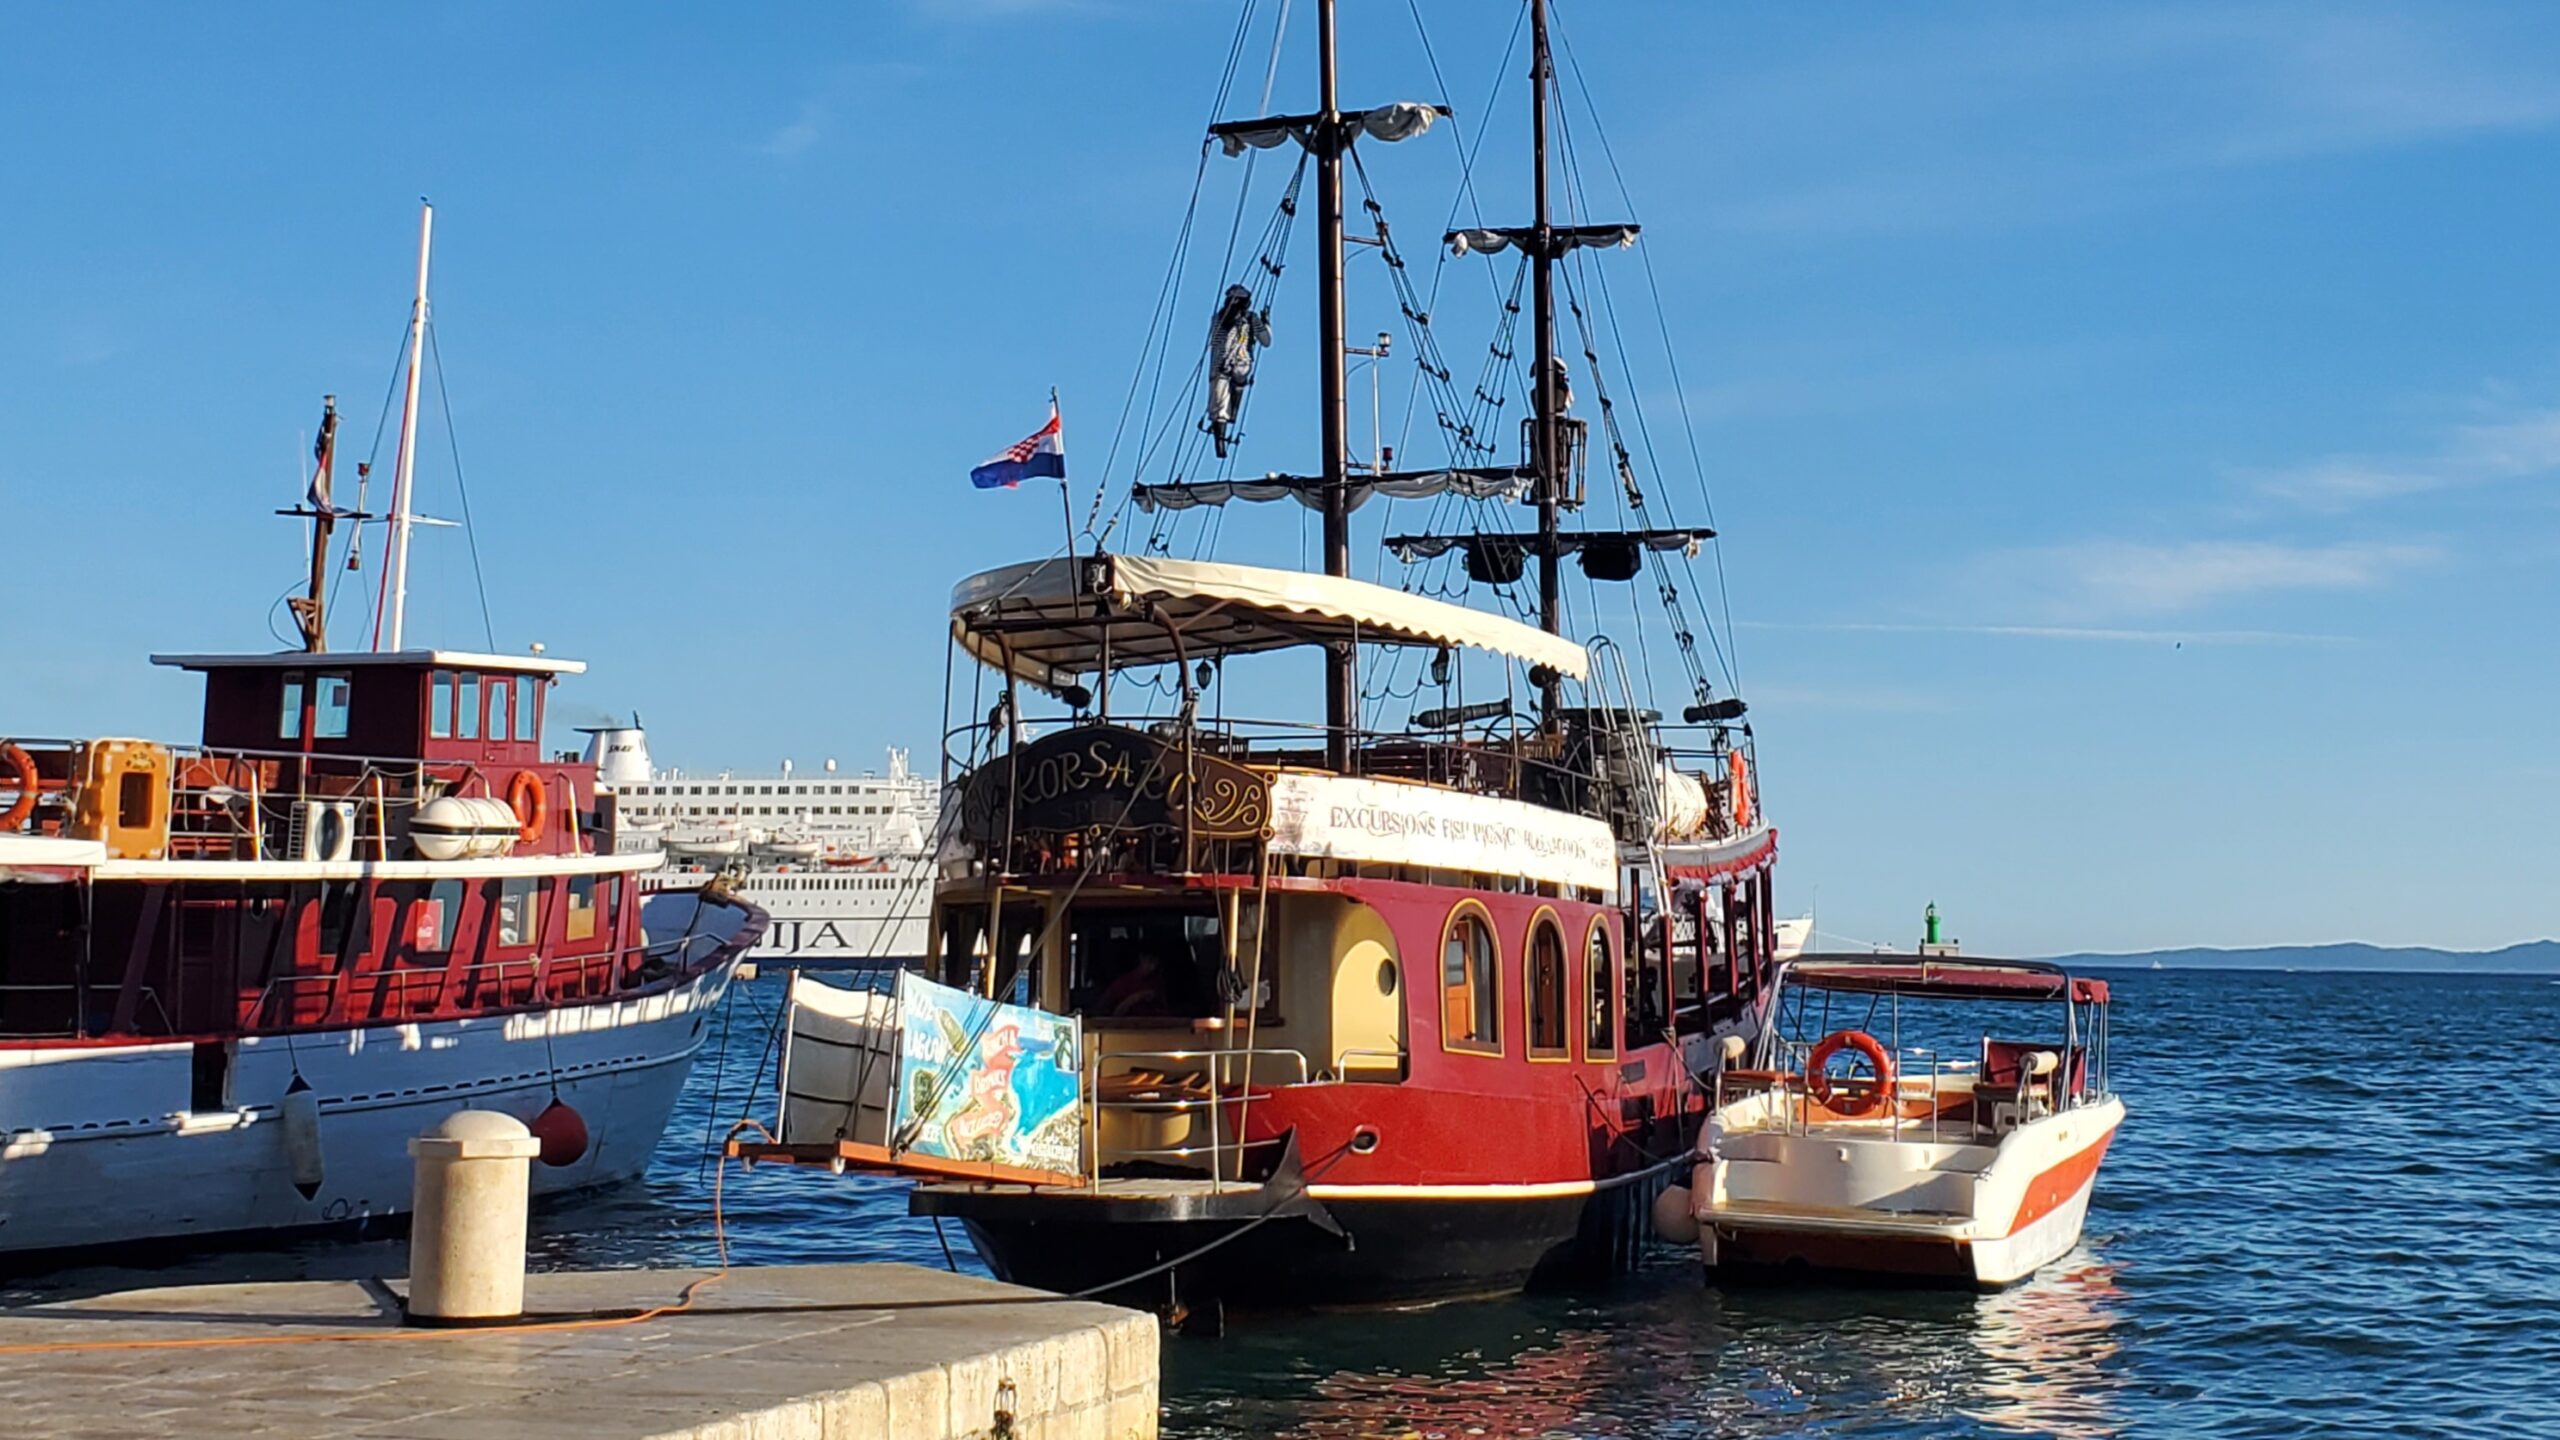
(1102,777)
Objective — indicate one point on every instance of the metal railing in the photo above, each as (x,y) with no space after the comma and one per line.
(223,803)
(1182,1099)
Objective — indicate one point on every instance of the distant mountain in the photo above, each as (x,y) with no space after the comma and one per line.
(2533,957)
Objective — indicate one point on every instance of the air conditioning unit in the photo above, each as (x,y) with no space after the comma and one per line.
(324,831)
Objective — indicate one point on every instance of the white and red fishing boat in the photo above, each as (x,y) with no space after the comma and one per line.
(238,975)
(1400,1000)
(1953,1157)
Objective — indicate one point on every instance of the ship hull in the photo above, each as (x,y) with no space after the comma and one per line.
(107,1144)
(1354,1247)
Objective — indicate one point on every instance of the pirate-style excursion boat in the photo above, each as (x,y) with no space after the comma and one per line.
(1402,1004)
(1953,1158)
(237,976)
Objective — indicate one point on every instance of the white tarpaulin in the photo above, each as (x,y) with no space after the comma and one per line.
(1053,620)
(1389,822)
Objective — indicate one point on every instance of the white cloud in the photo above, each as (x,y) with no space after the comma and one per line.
(2514,448)
(1917,126)
(806,129)
(2098,634)
(2115,577)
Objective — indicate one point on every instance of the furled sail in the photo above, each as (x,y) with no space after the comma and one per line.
(1506,482)
(1492,240)
(1400,121)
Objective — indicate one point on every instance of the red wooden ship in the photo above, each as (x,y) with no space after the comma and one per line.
(1374,1007)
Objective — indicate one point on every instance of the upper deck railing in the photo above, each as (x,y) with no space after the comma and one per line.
(194,802)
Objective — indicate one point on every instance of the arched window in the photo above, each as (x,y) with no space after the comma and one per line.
(1599,978)
(1549,991)
(1470,984)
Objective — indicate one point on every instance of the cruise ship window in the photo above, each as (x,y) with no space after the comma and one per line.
(289,720)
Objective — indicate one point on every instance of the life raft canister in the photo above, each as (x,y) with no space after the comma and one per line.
(1817,1074)
(21,775)
(531,802)
(1738,772)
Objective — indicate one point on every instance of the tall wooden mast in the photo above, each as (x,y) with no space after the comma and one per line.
(1341,661)
(1544,457)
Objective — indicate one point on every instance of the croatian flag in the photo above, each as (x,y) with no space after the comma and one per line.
(1041,456)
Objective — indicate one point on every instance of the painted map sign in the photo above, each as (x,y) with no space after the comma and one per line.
(989,1083)
(1102,777)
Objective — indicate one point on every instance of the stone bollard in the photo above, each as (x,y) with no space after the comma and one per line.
(466,1240)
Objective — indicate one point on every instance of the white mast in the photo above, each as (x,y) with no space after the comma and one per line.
(400,499)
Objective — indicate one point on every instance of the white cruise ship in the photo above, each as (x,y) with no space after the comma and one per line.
(840,861)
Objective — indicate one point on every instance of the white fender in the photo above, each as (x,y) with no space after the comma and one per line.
(1671,1218)
(300,1112)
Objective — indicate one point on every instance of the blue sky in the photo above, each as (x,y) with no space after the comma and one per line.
(2132,428)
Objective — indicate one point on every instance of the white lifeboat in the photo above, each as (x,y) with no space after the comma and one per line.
(790,847)
(464,827)
(713,842)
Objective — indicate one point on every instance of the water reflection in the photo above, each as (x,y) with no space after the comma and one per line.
(1670,1356)
(2046,1350)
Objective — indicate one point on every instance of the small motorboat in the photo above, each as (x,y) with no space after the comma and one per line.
(1926,1156)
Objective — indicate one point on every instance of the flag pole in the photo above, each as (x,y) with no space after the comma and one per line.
(1066,509)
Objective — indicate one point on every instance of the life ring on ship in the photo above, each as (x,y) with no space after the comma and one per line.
(22,767)
(531,802)
(1738,773)
(1817,1074)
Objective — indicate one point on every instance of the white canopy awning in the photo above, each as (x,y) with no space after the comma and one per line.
(1054,620)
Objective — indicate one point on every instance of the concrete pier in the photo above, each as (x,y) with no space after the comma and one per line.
(803,1352)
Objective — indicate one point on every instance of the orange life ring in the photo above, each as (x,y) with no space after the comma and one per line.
(1738,771)
(531,802)
(15,757)
(1817,1074)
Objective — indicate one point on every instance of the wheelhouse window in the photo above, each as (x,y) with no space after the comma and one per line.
(519,911)
(333,695)
(527,688)
(581,916)
(440,706)
(1600,1020)
(466,706)
(1549,993)
(1135,964)
(1470,984)
(963,953)
(500,693)
(289,718)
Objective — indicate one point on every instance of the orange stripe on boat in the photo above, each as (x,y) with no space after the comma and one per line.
(2048,1191)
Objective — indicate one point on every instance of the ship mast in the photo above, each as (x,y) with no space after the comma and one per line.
(407,470)
(1341,659)
(1549,481)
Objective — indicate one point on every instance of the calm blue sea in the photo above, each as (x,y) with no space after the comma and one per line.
(2332,1211)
